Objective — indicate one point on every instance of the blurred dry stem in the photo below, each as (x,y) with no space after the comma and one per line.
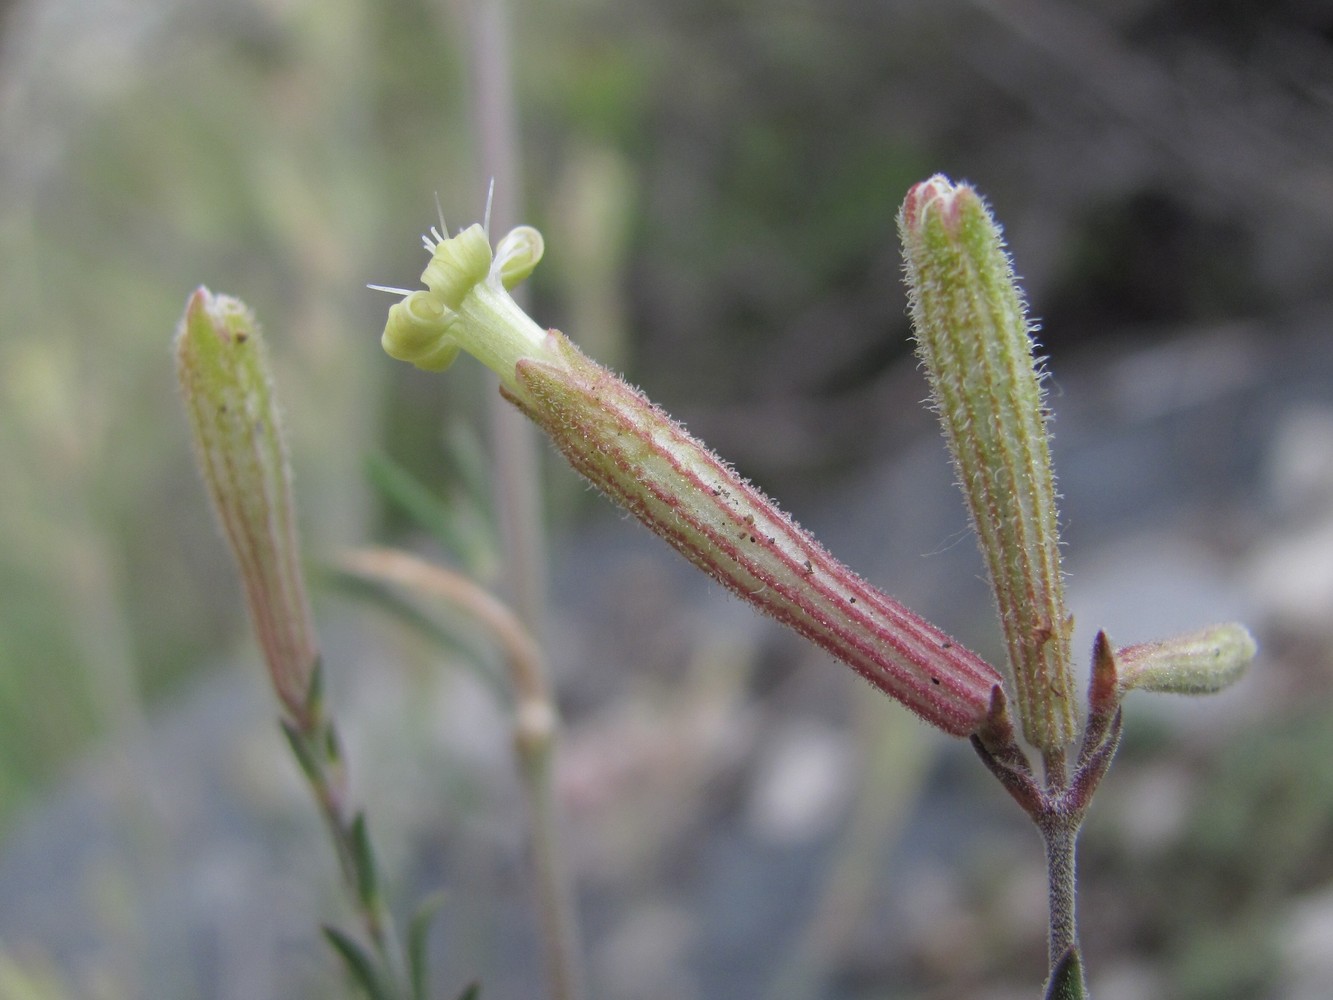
(519,493)
(536,724)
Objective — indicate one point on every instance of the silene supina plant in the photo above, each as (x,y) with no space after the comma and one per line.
(975,342)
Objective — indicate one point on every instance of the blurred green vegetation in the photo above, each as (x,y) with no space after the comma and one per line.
(288,154)
(239,147)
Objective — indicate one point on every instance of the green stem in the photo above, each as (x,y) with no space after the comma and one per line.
(536,723)
(517,485)
(314,740)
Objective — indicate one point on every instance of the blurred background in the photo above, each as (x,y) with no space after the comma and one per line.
(717,183)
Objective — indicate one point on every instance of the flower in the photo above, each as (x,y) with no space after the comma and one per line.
(649,464)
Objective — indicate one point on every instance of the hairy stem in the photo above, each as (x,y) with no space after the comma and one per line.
(1060,836)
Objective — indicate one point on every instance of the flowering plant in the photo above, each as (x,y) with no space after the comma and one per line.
(976,344)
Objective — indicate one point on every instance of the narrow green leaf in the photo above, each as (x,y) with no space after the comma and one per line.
(314,699)
(1067,978)
(360,965)
(367,878)
(302,751)
(417,941)
(456,526)
(470,462)
(471,993)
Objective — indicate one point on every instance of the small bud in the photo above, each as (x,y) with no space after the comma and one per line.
(1202,662)
(973,337)
(224,378)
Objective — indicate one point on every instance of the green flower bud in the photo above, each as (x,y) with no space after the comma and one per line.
(973,337)
(224,377)
(1201,662)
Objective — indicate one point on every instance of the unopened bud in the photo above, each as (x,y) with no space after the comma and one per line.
(973,337)
(1201,662)
(223,371)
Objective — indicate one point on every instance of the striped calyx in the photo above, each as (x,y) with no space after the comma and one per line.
(650,465)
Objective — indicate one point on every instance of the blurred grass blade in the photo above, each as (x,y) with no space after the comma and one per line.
(450,636)
(468,539)
(417,941)
(467,459)
(360,965)
(471,993)
(367,877)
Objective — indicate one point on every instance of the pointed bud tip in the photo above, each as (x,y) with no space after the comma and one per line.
(940,195)
(1103,689)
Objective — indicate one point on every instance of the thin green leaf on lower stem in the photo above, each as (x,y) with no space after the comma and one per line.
(367,878)
(362,967)
(301,751)
(417,940)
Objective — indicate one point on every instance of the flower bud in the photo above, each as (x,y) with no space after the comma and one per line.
(1201,662)
(224,377)
(973,337)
